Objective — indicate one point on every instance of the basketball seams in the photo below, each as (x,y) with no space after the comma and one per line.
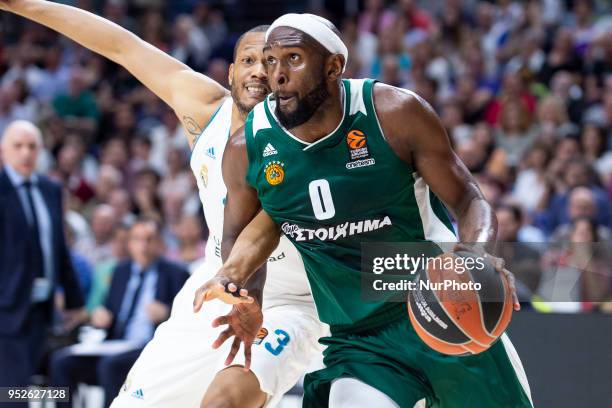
(484,327)
(420,327)
(468,334)
(506,305)
(443,307)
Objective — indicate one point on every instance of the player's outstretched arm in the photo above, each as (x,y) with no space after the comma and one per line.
(193,96)
(243,249)
(249,237)
(425,146)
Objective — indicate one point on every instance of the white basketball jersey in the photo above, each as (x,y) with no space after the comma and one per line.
(286,280)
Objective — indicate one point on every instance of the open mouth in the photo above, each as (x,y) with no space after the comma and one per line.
(257,90)
(285,99)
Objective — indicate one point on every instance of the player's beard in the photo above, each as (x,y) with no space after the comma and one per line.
(242,108)
(305,107)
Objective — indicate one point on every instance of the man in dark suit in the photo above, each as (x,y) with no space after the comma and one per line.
(139,299)
(34,259)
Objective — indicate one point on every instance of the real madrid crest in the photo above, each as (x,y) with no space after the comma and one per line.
(275,174)
(204,174)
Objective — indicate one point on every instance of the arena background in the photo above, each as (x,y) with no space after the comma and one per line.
(523,88)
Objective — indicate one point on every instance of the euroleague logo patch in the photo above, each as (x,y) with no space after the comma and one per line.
(356,139)
(275,174)
(359,155)
(261,335)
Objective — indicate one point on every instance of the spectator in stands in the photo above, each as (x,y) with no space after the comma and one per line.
(124,124)
(109,179)
(68,171)
(103,271)
(165,137)
(189,232)
(121,202)
(582,204)
(212,23)
(34,257)
(190,45)
(140,153)
(217,70)
(520,258)
(552,116)
(23,105)
(116,11)
(562,56)
(79,102)
(115,154)
(376,17)
(147,200)
(513,92)
(82,267)
(177,181)
(103,223)
(578,273)
(416,17)
(577,173)
(362,46)
(516,132)
(531,185)
(139,299)
(594,146)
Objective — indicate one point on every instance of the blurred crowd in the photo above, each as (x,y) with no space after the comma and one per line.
(523,88)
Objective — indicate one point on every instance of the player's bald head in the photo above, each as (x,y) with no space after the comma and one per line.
(21,143)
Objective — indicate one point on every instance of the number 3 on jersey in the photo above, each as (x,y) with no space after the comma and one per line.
(282,340)
(321,199)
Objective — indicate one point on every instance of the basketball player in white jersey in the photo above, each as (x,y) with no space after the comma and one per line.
(179,368)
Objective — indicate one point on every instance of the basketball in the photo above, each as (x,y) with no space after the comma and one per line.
(460,304)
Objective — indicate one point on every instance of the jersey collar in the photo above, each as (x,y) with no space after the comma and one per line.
(328,140)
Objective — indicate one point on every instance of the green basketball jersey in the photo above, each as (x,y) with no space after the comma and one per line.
(332,195)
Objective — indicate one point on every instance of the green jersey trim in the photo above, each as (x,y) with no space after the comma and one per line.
(252,156)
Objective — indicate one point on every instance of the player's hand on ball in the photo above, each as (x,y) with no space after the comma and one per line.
(498,263)
(222,288)
(244,322)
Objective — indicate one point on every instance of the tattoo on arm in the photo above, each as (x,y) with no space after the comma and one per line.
(191,126)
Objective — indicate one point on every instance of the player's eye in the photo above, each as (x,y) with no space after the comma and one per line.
(247,60)
(270,60)
(294,57)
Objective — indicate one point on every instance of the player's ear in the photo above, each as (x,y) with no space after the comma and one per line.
(334,67)
(230,74)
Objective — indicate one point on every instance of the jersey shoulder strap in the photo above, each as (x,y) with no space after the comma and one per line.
(219,122)
(256,124)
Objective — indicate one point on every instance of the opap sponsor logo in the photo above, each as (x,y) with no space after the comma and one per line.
(335,232)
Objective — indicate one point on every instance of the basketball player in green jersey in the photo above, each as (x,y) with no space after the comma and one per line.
(336,163)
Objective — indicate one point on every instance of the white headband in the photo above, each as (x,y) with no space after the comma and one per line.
(316,27)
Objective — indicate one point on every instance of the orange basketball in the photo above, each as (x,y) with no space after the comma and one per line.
(460,304)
